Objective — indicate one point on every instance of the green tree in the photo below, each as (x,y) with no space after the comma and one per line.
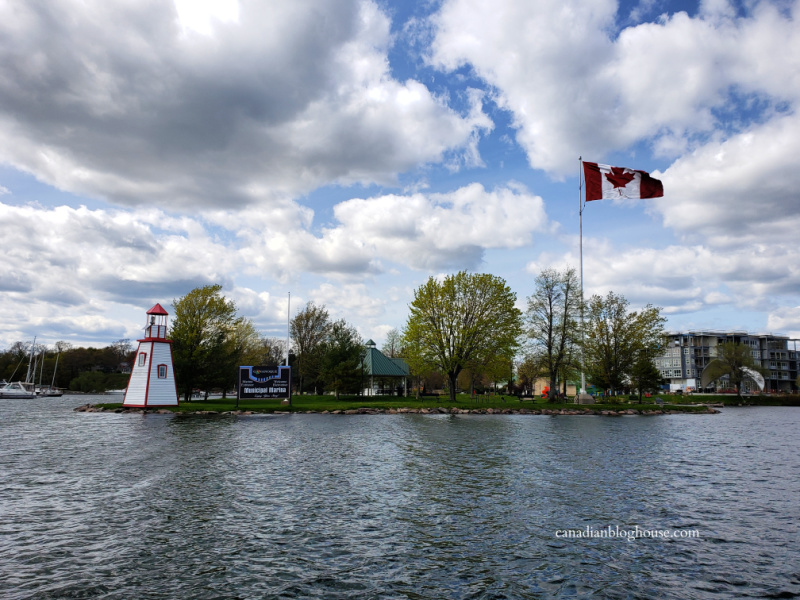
(341,357)
(616,337)
(201,329)
(309,330)
(266,351)
(529,369)
(553,322)
(420,369)
(734,360)
(241,340)
(645,376)
(464,319)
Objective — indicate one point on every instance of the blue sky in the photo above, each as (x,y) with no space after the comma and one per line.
(346,151)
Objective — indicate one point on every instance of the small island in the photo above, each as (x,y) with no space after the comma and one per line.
(498,404)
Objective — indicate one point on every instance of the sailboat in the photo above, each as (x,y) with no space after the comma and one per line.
(49,391)
(21,389)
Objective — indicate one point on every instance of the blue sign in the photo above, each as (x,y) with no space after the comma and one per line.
(265,382)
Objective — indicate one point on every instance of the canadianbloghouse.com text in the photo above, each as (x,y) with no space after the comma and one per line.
(617,533)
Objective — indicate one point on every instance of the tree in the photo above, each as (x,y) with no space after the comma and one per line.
(735,361)
(528,371)
(308,330)
(121,350)
(464,319)
(553,321)
(394,343)
(645,376)
(241,341)
(203,323)
(270,352)
(615,338)
(341,358)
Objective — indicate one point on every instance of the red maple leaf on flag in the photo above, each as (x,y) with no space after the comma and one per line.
(619,178)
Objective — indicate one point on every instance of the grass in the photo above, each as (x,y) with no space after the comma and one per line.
(463,401)
(732,400)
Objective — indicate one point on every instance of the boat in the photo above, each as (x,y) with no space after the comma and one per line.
(18,389)
(49,391)
(21,389)
(29,388)
(115,392)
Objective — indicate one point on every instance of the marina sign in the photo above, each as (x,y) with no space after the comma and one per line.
(265,382)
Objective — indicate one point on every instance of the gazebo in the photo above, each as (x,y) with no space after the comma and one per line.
(379,366)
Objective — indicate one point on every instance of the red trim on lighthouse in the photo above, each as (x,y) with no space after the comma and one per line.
(157,310)
(149,372)
(174,380)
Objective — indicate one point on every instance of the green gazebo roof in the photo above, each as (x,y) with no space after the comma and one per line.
(377,364)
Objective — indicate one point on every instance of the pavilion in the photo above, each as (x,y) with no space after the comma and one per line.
(382,368)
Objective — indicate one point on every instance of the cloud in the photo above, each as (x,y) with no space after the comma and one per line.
(121,101)
(732,191)
(685,279)
(573,87)
(439,231)
(785,320)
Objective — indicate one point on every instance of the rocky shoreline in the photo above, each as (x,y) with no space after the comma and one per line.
(91,408)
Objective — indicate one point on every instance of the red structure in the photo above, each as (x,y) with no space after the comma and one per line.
(152,381)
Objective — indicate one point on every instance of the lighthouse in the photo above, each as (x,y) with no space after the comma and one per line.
(152,381)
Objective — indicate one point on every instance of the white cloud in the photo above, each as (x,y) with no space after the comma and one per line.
(440,230)
(575,89)
(785,320)
(113,101)
(201,16)
(737,190)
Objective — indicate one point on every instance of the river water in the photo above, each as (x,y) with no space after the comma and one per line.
(115,506)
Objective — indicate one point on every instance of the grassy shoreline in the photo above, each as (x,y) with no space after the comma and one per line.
(483,404)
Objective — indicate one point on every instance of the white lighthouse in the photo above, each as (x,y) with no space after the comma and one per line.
(152,381)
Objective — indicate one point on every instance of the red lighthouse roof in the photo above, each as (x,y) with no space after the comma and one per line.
(157,310)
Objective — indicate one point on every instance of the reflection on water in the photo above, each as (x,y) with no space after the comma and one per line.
(394,506)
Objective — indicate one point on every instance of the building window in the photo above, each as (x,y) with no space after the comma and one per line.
(142,358)
(162,371)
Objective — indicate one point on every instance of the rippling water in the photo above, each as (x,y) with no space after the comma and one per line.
(395,506)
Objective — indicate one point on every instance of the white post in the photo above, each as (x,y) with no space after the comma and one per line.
(288,325)
(580,227)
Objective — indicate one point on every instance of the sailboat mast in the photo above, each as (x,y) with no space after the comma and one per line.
(53,383)
(30,361)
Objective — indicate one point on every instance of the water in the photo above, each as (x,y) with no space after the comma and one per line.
(395,506)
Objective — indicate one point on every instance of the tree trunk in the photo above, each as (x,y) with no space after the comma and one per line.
(452,379)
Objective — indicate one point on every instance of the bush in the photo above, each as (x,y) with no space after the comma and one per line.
(98,382)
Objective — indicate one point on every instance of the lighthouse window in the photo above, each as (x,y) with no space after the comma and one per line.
(142,358)
(162,371)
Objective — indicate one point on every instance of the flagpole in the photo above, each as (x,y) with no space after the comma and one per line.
(580,227)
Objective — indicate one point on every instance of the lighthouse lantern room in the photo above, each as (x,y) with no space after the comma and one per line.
(152,381)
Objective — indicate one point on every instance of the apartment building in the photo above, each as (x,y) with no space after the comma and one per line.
(687,354)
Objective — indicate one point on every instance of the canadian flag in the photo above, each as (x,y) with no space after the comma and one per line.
(607,183)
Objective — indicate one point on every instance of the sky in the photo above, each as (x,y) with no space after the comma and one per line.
(343,152)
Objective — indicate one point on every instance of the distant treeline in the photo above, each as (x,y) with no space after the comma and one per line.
(77,369)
